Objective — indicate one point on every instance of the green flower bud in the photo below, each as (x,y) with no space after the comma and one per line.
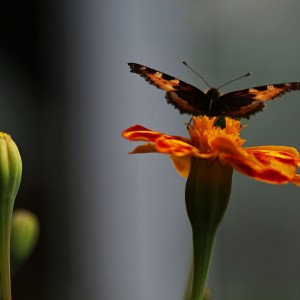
(10,178)
(24,235)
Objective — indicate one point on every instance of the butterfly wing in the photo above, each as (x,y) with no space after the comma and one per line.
(245,103)
(185,97)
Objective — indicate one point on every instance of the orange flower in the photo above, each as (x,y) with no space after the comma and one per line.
(208,158)
(272,164)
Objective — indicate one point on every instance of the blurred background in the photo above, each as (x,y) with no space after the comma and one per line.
(114,226)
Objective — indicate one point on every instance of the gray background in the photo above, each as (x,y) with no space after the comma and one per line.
(114,225)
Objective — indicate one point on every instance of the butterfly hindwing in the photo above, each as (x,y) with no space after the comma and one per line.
(188,102)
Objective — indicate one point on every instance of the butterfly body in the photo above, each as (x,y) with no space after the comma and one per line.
(191,100)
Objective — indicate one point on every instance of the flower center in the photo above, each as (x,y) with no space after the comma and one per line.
(204,128)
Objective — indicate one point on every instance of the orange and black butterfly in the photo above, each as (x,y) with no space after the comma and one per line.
(191,100)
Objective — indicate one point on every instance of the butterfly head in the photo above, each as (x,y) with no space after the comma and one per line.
(213,93)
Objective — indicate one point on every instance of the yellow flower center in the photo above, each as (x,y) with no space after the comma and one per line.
(204,128)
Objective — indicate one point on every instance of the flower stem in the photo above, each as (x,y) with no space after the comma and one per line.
(5,285)
(203,242)
(207,194)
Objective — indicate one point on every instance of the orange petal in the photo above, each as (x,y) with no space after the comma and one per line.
(172,145)
(224,145)
(297,180)
(273,164)
(140,133)
(146,148)
(182,164)
(269,166)
(289,150)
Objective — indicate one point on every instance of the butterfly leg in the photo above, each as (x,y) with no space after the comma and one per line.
(190,121)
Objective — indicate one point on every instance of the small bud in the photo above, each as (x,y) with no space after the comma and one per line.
(24,235)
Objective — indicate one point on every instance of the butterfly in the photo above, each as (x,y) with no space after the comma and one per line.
(191,100)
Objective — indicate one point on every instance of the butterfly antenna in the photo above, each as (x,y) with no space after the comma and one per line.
(248,74)
(185,63)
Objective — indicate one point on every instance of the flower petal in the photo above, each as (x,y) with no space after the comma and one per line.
(171,145)
(140,133)
(146,148)
(269,166)
(182,164)
(289,150)
(297,180)
(225,145)
(273,164)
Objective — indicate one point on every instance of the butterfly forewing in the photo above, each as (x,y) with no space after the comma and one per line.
(162,80)
(247,102)
(183,96)
(265,92)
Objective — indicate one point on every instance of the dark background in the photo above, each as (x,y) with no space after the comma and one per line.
(114,226)
(33,112)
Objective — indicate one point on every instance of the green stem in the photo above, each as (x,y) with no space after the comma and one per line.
(5,284)
(203,243)
(207,194)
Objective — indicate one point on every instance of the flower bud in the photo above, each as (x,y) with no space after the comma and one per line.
(24,235)
(10,178)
